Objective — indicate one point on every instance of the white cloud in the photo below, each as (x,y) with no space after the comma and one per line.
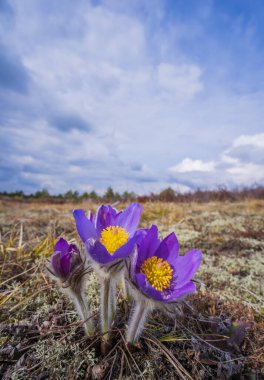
(256,140)
(146,98)
(246,174)
(144,188)
(180,188)
(189,165)
(184,81)
(226,159)
(240,165)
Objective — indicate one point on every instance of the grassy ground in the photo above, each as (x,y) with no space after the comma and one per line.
(217,334)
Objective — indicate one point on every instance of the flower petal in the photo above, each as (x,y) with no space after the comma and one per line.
(148,245)
(126,249)
(165,296)
(104,217)
(72,248)
(84,226)
(146,288)
(132,261)
(168,249)
(90,216)
(129,218)
(98,252)
(189,287)
(55,263)
(186,266)
(61,246)
(141,232)
(65,263)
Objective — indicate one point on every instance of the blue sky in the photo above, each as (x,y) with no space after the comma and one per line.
(136,94)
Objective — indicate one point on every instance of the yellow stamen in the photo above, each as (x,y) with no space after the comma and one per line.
(158,272)
(113,237)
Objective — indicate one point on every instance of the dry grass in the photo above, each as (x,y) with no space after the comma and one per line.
(217,334)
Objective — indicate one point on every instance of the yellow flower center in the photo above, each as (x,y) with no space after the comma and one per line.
(158,272)
(113,237)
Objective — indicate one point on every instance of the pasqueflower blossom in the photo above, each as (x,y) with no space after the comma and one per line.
(65,259)
(158,276)
(69,268)
(109,235)
(159,272)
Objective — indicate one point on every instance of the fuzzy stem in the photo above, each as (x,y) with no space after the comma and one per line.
(112,302)
(124,287)
(106,308)
(83,311)
(136,322)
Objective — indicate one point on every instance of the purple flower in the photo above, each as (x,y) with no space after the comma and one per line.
(70,271)
(65,259)
(109,235)
(159,272)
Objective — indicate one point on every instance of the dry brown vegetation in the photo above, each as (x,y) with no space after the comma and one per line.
(218,333)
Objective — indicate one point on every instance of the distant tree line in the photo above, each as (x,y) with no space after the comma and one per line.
(202,196)
(109,196)
(167,195)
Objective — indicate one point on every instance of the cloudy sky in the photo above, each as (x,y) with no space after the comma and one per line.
(136,94)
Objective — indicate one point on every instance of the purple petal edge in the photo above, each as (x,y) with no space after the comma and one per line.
(129,218)
(84,226)
(61,245)
(186,266)
(179,293)
(98,252)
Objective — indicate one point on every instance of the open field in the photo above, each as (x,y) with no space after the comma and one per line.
(217,334)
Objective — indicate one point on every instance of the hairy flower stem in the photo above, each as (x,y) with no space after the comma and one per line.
(107,307)
(82,308)
(124,287)
(137,322)
(112,302)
